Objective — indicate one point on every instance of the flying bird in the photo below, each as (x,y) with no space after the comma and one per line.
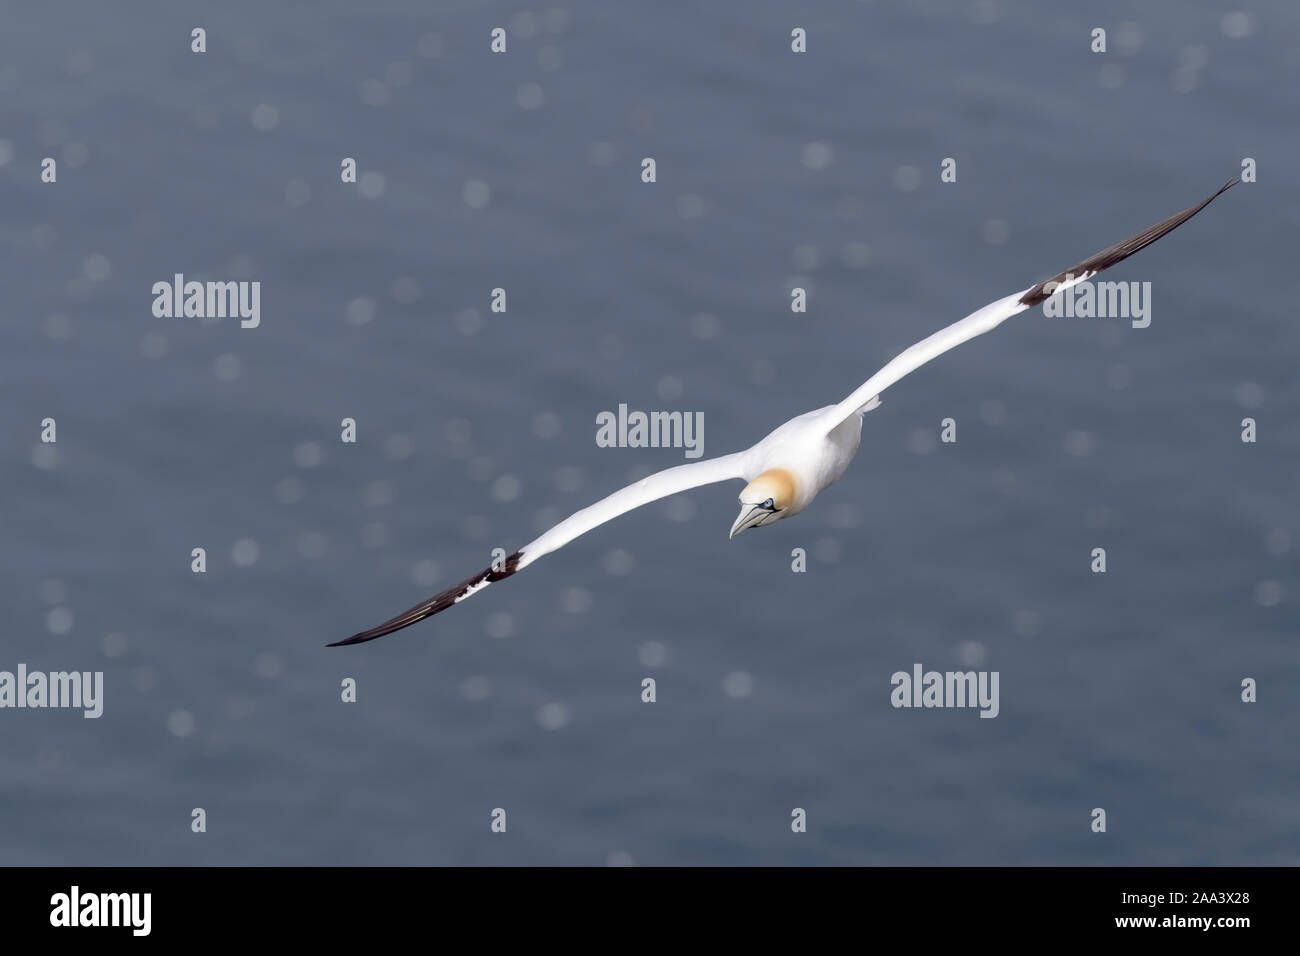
(786,470)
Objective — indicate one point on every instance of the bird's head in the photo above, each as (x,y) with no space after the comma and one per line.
(765,499)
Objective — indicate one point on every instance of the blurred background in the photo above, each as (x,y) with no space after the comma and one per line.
(476,430)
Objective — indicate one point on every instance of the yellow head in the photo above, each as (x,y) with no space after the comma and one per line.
(765,499)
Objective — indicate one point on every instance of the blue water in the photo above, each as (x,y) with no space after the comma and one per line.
(477,430)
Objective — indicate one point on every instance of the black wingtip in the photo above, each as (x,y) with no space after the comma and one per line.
(439,602)
(354,639)
(417,613)
(1120,251)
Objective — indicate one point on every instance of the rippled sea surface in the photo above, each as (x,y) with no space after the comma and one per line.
(476,429)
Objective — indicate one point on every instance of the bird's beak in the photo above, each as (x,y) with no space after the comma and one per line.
(750,515)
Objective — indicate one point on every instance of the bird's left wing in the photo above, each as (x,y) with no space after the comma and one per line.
(661,484)
(995,313)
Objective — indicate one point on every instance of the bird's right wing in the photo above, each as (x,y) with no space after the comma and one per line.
(670,481)
(995,313)
(659,485)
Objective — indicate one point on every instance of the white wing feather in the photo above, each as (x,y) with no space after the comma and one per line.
(909,360)
(659,485)
(995,313)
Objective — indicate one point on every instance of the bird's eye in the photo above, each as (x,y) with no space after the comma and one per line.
(769,504)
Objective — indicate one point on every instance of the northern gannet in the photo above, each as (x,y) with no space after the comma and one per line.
(786,470)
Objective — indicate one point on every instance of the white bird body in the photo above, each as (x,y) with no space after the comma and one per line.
(788,468)
(815,447)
